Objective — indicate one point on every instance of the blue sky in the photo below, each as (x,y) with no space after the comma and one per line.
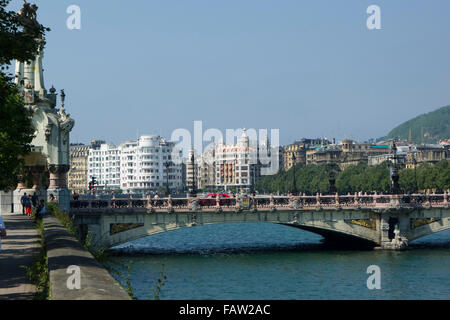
(309,68)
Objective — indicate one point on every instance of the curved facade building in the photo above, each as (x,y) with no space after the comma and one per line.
(146,165)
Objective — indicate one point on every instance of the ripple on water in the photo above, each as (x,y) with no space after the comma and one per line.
(264,261)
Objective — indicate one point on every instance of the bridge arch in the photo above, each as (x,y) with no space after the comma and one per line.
(436,226)
(135,226)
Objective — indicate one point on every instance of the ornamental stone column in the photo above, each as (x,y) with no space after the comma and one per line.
(54,176)
(62,176)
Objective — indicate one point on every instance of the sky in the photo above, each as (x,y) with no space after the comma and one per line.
(309,68)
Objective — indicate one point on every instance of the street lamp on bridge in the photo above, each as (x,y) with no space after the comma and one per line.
(294,161)
(167,165)
(416,188)
(194,187)
(395,187)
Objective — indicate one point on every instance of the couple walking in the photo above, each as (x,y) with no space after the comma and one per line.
(29,202)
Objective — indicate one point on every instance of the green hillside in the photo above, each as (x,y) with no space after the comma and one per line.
(428,128)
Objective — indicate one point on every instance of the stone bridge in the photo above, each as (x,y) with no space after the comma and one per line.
(378,220)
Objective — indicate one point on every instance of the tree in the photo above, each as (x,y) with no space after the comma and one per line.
(16,132)
(19,40)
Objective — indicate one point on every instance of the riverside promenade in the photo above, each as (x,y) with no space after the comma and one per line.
(22,246)
(19,249)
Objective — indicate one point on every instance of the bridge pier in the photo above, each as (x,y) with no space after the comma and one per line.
(394,226)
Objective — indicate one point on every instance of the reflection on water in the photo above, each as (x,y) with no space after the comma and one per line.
(266,261)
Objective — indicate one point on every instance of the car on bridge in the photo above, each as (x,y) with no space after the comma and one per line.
(211,199)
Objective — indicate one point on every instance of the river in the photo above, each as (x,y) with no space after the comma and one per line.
(268,261)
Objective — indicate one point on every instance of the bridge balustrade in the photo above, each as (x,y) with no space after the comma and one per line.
(281,201)
(262,202)
(309,201)
(328,201)
(158,203)
(346,200)
(138,203)
(99,204)
(81,204)
(383,199)
(224,202)
(436,199)
(119,203)
(365,200)
(265,202)
(180,203)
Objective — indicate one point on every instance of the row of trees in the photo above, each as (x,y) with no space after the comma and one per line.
(18,40)
(311,179)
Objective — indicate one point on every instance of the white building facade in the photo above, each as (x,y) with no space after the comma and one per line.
(146,165)
(104,166)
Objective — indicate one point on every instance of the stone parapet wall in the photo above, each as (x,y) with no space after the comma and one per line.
(64,252)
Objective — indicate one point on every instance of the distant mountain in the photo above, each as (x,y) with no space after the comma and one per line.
(428,128)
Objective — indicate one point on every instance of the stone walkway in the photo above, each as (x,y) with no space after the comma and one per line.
(19,248)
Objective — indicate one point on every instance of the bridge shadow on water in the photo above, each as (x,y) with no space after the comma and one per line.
(439,240)
(235,239)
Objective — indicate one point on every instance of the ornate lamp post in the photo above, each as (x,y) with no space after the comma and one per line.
(395,187)
(294,189)
(416,188)
(194,187)
(167,165)
(332,180)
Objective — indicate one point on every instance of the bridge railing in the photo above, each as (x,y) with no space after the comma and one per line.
(265,202)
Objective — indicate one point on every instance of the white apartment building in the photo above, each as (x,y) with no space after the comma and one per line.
(146,165)
(236,165)
(104,165)
(232,166)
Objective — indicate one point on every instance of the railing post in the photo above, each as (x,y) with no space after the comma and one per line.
(255,205)
(149,204)
(427,198)
(238,203)
(169,204)
(294,202)
(130,202)
(374,199)
(336,201)
(272,203)
(193,204)
(218,207)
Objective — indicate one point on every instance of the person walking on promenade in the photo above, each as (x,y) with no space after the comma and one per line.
(2,231)
(35,200)
(28,204)
(23,199)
